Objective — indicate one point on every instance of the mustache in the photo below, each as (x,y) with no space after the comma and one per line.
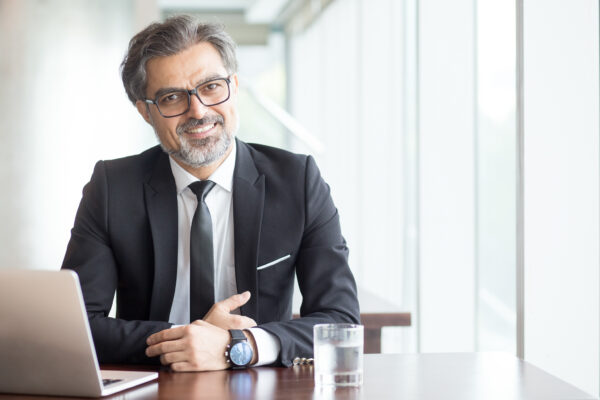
(192,123)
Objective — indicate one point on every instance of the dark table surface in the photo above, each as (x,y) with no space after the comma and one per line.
(481,376)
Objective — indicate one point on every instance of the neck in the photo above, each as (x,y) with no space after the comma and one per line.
(205,171)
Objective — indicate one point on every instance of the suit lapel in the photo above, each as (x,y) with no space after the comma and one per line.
(248,203)
(161,202)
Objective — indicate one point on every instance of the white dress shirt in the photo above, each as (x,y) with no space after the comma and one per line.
(220,204)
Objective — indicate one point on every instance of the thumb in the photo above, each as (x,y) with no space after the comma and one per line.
(236,301)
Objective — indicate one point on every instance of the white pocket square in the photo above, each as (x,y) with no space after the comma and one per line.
(270,264)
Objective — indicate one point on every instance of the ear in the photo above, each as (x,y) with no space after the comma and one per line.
(144,110)
(235,83)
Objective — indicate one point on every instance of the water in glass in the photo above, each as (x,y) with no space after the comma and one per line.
(338,354)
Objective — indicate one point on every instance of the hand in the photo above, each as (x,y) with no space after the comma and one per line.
(196,347)
(220,313)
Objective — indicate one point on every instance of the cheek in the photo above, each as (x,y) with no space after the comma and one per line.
(230,115)
(167,131)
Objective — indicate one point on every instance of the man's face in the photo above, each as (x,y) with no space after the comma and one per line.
(203,134)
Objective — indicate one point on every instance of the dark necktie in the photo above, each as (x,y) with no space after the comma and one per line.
(202,282)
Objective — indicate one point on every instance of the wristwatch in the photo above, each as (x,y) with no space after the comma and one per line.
(239,352)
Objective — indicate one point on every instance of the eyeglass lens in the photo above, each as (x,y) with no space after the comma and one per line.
(178,101)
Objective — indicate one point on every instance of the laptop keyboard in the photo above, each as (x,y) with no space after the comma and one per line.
(110,381)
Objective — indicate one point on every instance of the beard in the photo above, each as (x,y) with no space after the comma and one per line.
(202,152)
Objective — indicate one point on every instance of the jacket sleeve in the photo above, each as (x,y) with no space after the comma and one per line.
(89,254)
(327,285)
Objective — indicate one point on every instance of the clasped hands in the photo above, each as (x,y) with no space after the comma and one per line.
(200,346)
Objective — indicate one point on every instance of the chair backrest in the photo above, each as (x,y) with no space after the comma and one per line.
(373,322)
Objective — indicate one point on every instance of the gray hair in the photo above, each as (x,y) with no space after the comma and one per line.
(167,38)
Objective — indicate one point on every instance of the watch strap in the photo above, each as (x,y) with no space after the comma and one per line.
(236,335)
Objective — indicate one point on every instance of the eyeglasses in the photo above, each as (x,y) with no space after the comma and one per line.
(177,102)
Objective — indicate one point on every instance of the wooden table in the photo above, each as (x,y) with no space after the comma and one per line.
(481,376)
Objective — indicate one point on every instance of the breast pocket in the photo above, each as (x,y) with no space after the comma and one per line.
(274,262)
(275,286)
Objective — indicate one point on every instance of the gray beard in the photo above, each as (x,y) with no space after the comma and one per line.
(200,152)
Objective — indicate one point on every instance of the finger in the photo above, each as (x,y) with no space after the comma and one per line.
(181,366)
(170,358)
(165,347)
(235,301)
(240,322)
(248,322)
(166,334)
(200,322)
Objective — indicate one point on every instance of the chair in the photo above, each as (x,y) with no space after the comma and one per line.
(373,322)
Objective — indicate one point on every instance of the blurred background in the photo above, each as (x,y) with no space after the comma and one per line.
(459,138)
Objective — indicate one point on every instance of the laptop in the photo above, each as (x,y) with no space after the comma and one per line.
(46,346)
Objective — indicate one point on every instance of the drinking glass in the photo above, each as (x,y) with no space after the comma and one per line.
(338,354)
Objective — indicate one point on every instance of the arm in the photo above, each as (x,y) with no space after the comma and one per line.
(89,253)
(324,277)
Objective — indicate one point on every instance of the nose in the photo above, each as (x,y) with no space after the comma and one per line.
(197,109)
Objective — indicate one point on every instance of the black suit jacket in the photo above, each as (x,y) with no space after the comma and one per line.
(125,239)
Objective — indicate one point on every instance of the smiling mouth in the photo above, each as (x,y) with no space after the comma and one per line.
(201,129)
(201,132)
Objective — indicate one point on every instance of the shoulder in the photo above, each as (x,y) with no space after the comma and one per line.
(281,168)
(273,161)
(139,165)
(261,153)
(143,159)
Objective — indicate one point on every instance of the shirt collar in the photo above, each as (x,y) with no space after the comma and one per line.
(222,176)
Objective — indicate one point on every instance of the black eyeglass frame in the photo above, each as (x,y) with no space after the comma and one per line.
(191,92)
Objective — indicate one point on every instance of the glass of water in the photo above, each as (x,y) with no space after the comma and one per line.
(338,358)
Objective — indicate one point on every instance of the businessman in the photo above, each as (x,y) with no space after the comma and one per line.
(201,237)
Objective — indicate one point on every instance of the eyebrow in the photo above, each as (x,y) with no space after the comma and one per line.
(166,90)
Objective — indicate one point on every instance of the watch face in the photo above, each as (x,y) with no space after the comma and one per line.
(241,353)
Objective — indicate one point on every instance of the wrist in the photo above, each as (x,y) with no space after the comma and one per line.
(252,343)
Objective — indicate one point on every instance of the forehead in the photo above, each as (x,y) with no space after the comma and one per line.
(185,69)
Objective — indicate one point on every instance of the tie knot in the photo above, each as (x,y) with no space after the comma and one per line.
(201,188)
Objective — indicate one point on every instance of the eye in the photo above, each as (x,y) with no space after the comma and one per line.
(210,87)
(171,98)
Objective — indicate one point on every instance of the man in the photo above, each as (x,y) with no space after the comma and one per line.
(207,218)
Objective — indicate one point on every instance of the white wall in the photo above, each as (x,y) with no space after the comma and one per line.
(63,108)
(447,174)
(495,183)
(561,189)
